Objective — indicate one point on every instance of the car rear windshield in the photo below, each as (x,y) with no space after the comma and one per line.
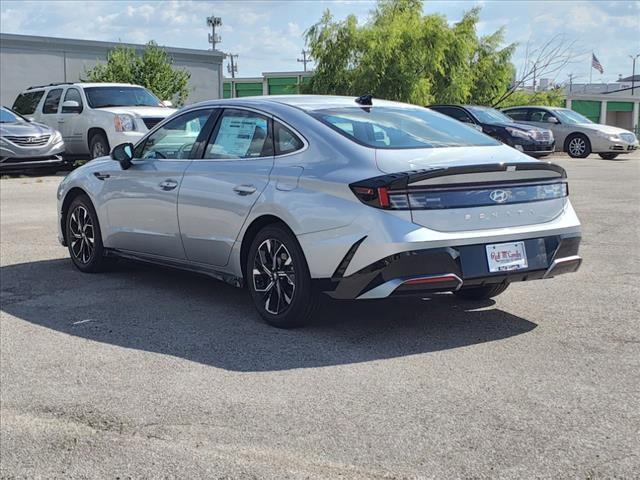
(490,115)
(98,97)
(569,116)
(396,127)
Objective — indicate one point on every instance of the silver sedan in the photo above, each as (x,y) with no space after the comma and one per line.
(297,196)
(26,145)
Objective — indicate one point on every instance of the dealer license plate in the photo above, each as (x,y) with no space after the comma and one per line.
(503,257)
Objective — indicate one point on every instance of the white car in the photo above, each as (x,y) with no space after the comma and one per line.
(93,117)
(575,133)
(292,196)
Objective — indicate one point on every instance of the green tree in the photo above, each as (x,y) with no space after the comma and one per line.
(152,69)
(401,54)
(554,97)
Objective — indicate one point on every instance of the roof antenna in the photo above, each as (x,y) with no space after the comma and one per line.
(365,99)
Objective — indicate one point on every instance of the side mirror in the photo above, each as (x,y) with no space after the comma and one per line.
(123,153)
(552,120)
(167,103)
(71,106)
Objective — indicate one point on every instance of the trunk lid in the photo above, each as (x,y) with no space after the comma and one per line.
(472,188)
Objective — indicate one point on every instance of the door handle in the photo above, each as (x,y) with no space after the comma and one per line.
(61,120)
(168,185)
(244,189)
(101,176)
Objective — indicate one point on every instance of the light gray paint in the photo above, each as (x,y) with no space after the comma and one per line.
(30,60)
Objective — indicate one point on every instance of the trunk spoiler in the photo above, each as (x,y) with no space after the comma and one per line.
(494,173)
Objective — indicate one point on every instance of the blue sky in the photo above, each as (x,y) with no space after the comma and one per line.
(268,35)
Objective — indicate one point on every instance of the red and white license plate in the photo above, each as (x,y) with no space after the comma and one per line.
(504,257)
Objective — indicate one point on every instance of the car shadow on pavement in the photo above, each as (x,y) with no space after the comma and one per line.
(202,320)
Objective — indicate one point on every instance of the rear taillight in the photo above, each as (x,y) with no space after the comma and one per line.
(381,197)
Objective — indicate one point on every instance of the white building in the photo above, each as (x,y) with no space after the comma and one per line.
(27,60)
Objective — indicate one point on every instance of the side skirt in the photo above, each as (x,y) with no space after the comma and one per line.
(185,265)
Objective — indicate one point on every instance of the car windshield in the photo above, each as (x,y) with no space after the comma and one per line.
(99,97)
(397,127)
(489,115)
(569,116)
(7,116)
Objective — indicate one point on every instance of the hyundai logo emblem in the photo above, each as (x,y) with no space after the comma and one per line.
(500,196)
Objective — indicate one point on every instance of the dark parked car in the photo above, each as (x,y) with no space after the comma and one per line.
(26,145)
(534,141)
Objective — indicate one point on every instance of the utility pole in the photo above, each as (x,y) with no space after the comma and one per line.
(534,77)
(214,38)
(304,58)
(232,67)
(633,73)
(570,82)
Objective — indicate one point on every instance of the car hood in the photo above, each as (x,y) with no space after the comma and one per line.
(143,112)
(392,161)
(598,127)
(24,129)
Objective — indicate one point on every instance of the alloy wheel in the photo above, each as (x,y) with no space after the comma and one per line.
(274,276)
(577,146)
(82,235)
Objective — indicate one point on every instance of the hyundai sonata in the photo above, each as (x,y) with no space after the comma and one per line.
(297,196)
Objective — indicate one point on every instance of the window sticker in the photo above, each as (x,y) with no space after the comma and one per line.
(236,135)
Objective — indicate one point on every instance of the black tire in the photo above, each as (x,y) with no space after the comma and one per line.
(482,293)
(608,156)
(84,240)
(98,145)
(285,278)
(577,145)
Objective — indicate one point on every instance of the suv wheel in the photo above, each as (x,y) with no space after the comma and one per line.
(99,145)
(84,240)
(482,293)
(578,146)
(608,156)
(278,278)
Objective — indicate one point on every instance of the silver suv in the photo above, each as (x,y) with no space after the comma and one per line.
(93,117)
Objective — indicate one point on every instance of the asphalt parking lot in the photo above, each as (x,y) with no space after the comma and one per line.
(144,372)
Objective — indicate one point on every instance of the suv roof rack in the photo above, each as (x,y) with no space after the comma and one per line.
(55,84)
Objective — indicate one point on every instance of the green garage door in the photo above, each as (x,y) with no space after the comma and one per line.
(248,89)
(619,106)
(226,90)
(588,108)
(283,86)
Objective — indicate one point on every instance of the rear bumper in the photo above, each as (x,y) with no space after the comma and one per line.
(421,272)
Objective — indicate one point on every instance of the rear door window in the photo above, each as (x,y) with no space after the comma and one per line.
(240,134)
(27,102)
(52,101)
(521,114)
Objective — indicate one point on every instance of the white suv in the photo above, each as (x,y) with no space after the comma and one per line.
(93,117)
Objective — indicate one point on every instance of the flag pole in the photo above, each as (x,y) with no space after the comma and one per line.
(591,67)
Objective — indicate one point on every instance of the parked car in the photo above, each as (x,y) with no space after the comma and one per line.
(26,145)
(575,133)
(93,117)
(534,141)
(294,196)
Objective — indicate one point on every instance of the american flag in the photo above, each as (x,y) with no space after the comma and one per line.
(596,64)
